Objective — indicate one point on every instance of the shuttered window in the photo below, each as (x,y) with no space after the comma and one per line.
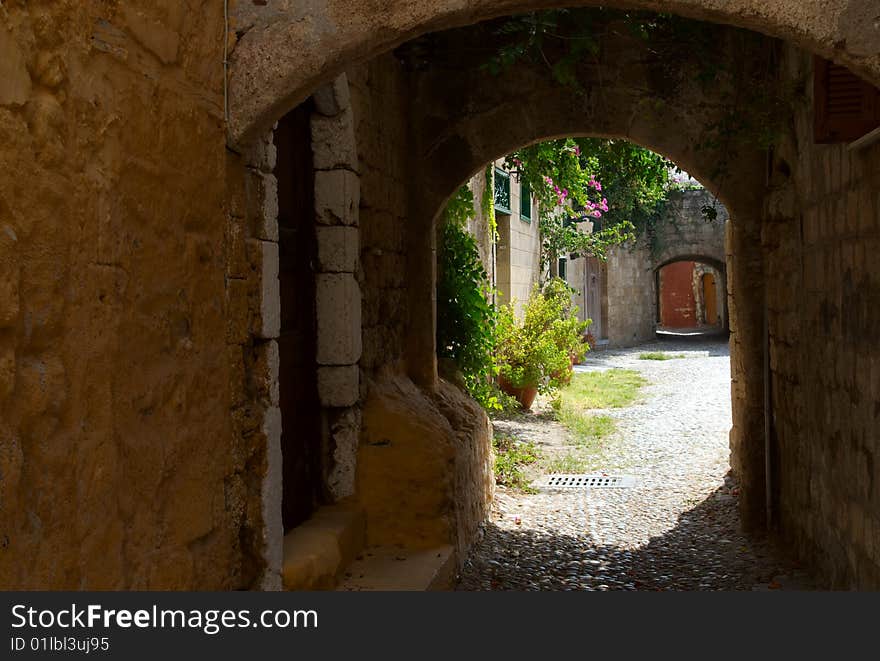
(845,106)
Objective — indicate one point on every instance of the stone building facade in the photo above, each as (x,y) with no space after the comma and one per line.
(144,237)
(622,295)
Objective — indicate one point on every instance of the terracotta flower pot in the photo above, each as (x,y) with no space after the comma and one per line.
(524,395)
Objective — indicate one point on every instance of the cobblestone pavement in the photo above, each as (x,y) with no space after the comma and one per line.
(676,529)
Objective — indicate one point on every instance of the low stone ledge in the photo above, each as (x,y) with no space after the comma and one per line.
(317,552)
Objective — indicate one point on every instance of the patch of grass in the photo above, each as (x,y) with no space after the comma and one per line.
(609,389)
(595,390)
(510,457)
(585,428)
(659,355)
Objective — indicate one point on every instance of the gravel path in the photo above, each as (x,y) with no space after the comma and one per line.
(676,529)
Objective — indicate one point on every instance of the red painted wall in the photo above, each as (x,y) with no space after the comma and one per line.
(678,309)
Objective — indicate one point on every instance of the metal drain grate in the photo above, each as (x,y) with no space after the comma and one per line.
(581,481)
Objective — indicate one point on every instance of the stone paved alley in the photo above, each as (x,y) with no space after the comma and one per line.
(676,529)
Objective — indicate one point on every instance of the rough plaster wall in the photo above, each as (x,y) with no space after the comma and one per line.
(630,294)
(822,238)
(118,464)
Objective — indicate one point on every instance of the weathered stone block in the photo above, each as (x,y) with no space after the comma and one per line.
(333,142)
(265,372)
(345,429)
(273,529)
(236,251)
(262,207)
(338,386)
(15,83)
(7,371)
(337,197)
(338,249)
(262,154)
(332,99)
(339,319)
(266,311)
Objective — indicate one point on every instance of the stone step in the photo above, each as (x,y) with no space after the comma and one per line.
(317,552)
(392,568)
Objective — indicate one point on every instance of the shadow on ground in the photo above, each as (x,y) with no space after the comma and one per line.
(704,551)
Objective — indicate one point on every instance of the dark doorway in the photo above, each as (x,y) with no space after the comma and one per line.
(301,438)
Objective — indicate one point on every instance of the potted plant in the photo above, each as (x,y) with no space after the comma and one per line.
(537,354)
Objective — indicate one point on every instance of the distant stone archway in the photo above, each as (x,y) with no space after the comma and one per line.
(286,50)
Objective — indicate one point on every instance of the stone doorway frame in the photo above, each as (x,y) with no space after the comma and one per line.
(338,305)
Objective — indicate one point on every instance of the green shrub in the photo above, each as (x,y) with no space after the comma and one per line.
(538,352)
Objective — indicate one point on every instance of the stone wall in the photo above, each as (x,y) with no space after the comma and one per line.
(478,226)
(118,335)
(518,252)
(424,474)
(822,238)
(631,299)
(378,102)
(685,233)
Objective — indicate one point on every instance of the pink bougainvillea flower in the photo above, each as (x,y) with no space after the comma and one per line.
(597,214)
(577,150)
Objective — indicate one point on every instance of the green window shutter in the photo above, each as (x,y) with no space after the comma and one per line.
(502,191)
(525,202)
(563,263)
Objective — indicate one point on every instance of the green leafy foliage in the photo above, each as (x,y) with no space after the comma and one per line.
(539,350)
(465,317)
(635,181)
(617,186)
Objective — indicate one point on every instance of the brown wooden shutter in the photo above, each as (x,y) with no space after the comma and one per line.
(845,106)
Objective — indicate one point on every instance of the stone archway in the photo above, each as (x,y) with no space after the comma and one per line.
(463,121)
(442,129)
(286,50)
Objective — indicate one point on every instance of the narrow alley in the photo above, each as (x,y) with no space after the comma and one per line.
(675,528)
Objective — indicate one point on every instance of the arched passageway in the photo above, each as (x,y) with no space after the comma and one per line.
(135,283)
(409,162)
